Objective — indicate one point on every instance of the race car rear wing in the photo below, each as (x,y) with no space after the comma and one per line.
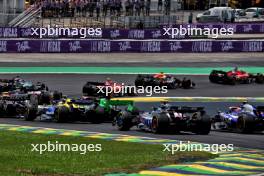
(186,109)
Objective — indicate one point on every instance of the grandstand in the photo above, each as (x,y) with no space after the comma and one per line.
(9,9)
(99,13)
(107,13)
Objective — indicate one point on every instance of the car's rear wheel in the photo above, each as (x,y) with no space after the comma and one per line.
(139,81)
(160,123)
(57,95)
(202,126)
(62,114)
(259,79)
(31,113)
(245,124)
(2,109)
(232,81)
(124,121)
(94,117)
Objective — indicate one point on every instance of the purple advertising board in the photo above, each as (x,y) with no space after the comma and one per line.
(120,46)
(247,28)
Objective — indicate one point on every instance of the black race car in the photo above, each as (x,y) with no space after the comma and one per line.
(102,89)
(163,80)
(19,84)
(14,103)
(165,119)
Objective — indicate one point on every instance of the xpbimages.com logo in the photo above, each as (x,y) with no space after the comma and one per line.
(60,147)
(196,31)
(66,32)
(190,147)
(122,89)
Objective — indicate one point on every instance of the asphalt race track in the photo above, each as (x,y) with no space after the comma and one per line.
(71,85)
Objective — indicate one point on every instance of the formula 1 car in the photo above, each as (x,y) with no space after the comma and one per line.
(21,85)
(238,120)
(163,80)
(165,119)
(72,110)
(14,103)
(235,77)
(103,89)
(6,85)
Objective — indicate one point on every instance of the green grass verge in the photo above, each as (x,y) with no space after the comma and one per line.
(123,70)
(16,157)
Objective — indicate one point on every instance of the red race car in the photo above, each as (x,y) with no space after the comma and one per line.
(235,77)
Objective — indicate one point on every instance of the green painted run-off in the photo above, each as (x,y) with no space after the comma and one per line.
(123,70)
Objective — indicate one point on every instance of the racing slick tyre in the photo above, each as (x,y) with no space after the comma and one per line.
(31,113)
(232,81)
(57,95)
(89,90)
(62,114)
(139,81)
(212,79)
(11,110)
(97,115)
(2,109)
(124,121)
(259,78)
(160,124)
(94,117)
(202,126)
(187,84)
(245,123)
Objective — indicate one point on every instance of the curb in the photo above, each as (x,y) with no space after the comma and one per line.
(239,162)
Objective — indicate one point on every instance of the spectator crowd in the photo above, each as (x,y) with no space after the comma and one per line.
(91,8)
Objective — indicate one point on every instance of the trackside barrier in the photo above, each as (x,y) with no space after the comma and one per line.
(256,28)
(121,46)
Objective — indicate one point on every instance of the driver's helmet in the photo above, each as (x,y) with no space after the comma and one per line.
(246,107)
(17,79)
(63,100)
(164,105)
(68,101)
(244,102)
(108,81)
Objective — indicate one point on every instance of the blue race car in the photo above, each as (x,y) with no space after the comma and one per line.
(236,119)
(165,119)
